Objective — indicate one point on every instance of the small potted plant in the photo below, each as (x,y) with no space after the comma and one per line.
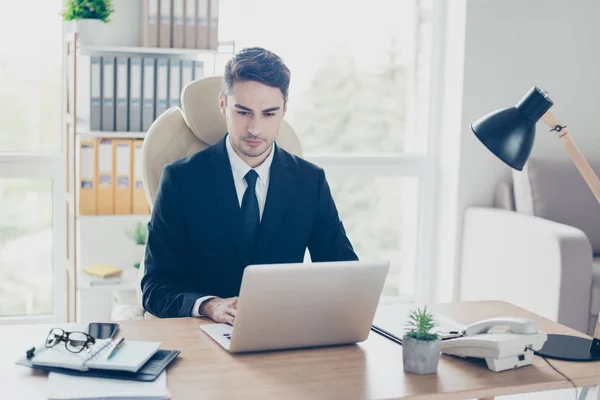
(420,347)
(139,234)
(89,19)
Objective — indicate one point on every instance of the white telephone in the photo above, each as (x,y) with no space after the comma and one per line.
(502,350)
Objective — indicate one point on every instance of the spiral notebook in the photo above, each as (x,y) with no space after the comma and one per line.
(131,356)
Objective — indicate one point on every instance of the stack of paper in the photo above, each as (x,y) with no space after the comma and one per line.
(67,387)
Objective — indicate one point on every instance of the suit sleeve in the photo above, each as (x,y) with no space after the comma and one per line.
(164,289)
(328,240)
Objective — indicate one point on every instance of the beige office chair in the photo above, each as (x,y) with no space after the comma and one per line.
(178,133)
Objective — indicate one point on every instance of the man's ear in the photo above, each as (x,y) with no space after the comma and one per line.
(222,103)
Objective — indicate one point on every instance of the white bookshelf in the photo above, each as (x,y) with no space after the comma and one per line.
(113,135)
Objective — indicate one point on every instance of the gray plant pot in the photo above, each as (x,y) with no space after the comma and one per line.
(420,357)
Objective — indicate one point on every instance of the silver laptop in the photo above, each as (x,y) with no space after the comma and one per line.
(290,306)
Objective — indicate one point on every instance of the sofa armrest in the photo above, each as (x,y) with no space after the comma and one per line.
(540,265)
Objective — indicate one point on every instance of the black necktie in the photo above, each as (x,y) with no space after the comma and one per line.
(250,210)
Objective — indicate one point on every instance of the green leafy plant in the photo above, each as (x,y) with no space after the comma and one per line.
(421,322)
(139,233)
(87,9)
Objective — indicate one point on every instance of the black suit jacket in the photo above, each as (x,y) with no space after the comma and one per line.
(195,242)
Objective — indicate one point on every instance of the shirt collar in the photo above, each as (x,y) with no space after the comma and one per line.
(240,168)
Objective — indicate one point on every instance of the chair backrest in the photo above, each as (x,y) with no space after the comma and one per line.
(178,133)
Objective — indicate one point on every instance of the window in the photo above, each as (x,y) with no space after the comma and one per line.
(32,199)
(359,101)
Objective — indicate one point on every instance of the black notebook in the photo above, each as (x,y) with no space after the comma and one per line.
(149,371)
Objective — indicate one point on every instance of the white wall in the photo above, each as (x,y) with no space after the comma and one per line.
(510,46)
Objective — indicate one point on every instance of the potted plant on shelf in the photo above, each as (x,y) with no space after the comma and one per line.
(139,234)
(89,18)
(420,347)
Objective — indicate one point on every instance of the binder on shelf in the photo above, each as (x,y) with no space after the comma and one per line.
(135,94)
(187,72)
(198,70)
(190,23)
(213,25)
(162,86)
(178,25)
(123,192)
(174,83)
(122,85)
(87,177)
(140,205)
(150,23)
(105,177)
(202,25)
(148,94)
(164,31)
(108,93)
(96,93)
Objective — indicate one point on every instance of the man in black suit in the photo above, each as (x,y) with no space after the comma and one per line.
(242,201)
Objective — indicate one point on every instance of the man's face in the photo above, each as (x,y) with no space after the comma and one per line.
(253,112)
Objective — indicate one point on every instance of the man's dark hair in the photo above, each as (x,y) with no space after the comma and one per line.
(257,64)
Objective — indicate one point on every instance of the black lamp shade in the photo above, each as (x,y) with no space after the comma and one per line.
(509,133)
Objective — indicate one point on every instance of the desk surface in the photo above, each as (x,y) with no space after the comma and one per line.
(371,369)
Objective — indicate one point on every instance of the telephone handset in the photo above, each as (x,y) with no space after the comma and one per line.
(520,326)
(509,348)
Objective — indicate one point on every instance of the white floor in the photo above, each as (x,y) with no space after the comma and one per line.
(566,394)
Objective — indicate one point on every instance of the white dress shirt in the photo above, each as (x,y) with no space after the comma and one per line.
(239,169)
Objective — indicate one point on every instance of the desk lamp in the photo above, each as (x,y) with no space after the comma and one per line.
(509,134)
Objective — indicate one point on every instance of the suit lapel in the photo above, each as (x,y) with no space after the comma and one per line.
(278,198)
(225,197)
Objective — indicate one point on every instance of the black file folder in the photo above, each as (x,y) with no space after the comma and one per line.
(149,371)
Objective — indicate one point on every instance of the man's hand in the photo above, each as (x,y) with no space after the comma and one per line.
(220,310)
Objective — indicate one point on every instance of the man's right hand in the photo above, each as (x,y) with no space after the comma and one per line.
(220,310)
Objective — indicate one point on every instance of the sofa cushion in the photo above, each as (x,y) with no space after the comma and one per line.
(554,189)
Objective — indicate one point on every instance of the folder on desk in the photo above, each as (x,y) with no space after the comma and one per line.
(135,94)
(105,178)
(148,94)
(164,31)
(122,86)
(174,83)
(213,25)
(202,25)
(87,177)
(162,86)
(190,23)
(123,175)
(140,204)
(96,93)
(178,25)
(108,93)
(150,23)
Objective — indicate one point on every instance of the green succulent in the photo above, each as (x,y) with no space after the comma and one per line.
(87,9)
(421,322)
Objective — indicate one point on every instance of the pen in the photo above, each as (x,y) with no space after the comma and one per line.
(115,347)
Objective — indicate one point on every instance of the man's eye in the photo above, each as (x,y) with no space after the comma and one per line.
(242,112)
(269,114)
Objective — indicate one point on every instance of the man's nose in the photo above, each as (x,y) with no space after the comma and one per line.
(255,126)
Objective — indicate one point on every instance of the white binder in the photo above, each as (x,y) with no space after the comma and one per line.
(198,70)
(175,83)
(122,112)
(148,94)
(187,72)
(108,94)
(135,94)
(213,25)
(164,30)
(202,25)
(178,26)
(96,93)
(150,26)
(162,86)
(190,23)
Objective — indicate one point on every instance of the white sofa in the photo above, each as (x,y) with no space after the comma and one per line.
(536,247)
(178,133)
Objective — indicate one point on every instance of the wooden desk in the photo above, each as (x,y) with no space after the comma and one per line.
(372,369)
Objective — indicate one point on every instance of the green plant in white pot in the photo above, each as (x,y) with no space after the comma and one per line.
(139,234)
(420,347)
(89,19)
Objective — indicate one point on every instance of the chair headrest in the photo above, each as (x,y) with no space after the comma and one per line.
(200,105)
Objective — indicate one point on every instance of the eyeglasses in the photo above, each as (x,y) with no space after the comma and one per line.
(75,342)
